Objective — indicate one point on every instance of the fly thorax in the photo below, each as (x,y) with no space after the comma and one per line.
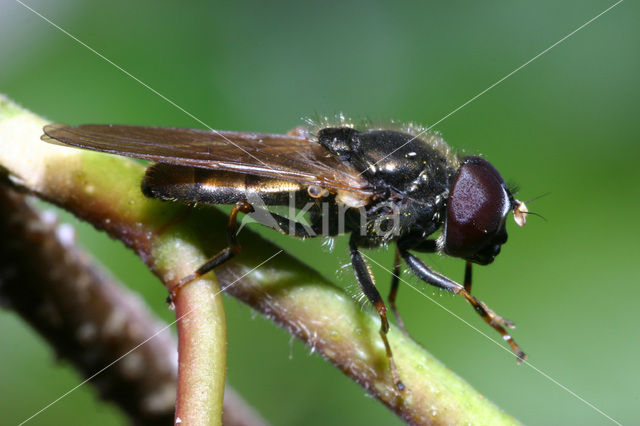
(410,174)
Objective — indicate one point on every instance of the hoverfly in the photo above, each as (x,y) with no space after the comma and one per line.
(378,185)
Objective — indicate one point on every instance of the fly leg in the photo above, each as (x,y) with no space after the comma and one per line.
(225,254)
(294,228)
(467,277)
(431,277)
(467,287)
(393,292)
(366,282)
(281,224)
(426,246)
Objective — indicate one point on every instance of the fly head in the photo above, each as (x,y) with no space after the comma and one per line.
(478,205)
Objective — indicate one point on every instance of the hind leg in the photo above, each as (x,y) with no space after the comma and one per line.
(222,256)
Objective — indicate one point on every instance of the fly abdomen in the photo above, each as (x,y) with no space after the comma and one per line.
(197,185)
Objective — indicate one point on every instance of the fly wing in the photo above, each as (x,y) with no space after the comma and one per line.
(285,157)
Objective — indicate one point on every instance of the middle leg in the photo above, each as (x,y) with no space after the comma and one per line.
(393,292)
(426,246)
(367,284)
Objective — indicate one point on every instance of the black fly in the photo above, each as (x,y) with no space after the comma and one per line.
(378,185)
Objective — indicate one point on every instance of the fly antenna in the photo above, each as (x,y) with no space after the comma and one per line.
(537,198)
(537,214)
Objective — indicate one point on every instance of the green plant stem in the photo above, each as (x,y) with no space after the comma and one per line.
(104,190)
(106,194)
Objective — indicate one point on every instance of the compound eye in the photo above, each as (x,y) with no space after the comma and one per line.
(478,205)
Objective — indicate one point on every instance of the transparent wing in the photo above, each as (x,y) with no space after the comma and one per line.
(285,157)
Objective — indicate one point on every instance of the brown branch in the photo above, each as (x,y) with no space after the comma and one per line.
(91,320)
(86,317)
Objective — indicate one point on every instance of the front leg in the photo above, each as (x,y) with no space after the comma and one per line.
(467,276)
(367,284)
(429,276)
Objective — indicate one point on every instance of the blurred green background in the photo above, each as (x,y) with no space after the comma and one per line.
(566,124)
